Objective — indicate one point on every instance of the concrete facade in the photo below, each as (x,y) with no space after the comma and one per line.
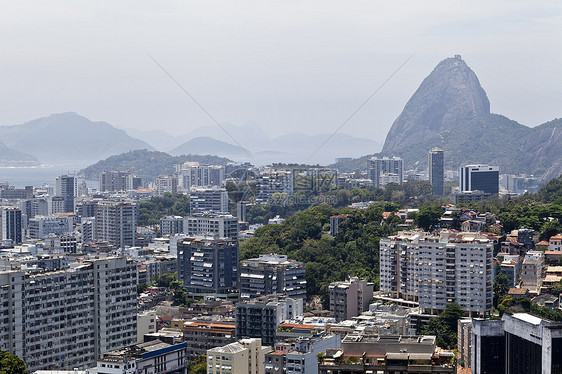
(66,319)
(208,265)
(244,357)
(438,270)
(272,274)
(350,298)
(211,199)
(116,223)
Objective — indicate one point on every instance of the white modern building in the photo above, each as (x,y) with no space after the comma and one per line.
(166,183)
(211,199)
(193,174)
(116,222)
(244,357)
(386,170)
(438,270)
(221,225)
(41,226)
(532,270)
(483,178)
(273,181)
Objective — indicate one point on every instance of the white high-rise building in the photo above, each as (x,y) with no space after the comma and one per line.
(244,357)
(116,222)
(438,270)
(66,319)
(211,199)
(223,226)
(166,183)
(41,226)
(270,182)
(386,170)
(193,174)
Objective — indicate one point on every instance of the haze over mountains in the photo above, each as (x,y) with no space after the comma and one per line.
(67,137)
(289,148)
(70,137)
(449,110)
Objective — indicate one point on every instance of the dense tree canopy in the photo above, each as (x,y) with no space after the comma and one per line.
(11,364)
(157,207)
(353,251)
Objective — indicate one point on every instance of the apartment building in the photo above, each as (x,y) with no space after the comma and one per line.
(116,222)
(366,353)
(260,317)
(555,243)
(211,199)
(386,170)
(436,171)
(153,356)
(208,265)
(300,355)
(270,182)
(349,298)
(532,270)
(201,336)
(244,357)
(193,174)
(10,224)
(209,224)
(41,226)
(171,225)
(67,188)
(66,319)
(437,270)
(272,274)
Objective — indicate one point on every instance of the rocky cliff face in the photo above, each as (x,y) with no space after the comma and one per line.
(450,110)
(542,149)
(449,96)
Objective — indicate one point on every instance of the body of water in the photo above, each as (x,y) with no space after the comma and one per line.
(36,176)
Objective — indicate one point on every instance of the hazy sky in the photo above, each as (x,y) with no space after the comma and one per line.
(289,66)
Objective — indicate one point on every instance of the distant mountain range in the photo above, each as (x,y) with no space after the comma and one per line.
(290,148)
(68,137)
(11,157)
(450,110)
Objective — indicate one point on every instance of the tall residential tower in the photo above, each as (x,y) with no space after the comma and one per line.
(435,165)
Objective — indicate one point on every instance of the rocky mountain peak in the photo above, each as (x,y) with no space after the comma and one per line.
(450,96)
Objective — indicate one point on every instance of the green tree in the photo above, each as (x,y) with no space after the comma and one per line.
(166,279)
(428,217)
(444,326)
(501,287)
(549,229)
(11,364)
(197,366)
